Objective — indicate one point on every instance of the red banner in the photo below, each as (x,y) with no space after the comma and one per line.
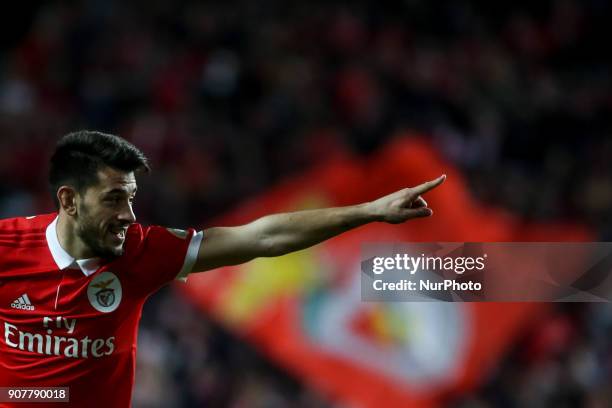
(304,309)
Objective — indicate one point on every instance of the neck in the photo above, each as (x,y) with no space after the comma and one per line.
(68,238)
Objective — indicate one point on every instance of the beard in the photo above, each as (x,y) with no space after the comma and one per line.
(89,232)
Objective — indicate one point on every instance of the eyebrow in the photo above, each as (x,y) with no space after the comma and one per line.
(120,191)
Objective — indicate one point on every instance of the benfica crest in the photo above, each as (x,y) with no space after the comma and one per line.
(104,292)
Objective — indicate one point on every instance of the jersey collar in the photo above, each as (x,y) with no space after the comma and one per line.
(63,259)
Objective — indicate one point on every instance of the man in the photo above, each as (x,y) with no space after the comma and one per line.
(73,283)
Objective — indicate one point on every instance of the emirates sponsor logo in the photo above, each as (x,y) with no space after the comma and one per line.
(51,344)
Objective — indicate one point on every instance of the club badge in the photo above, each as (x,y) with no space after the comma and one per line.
(104,292)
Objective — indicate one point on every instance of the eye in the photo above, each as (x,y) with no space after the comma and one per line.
(112,200)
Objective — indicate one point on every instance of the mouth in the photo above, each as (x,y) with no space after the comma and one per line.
(118,233)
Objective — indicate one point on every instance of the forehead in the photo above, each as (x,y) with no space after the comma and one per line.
(111,179)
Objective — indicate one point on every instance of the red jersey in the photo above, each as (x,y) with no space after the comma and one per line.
(73,323)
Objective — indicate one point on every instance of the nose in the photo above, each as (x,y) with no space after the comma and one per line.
(127,214)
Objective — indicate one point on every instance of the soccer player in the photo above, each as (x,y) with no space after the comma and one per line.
(73,283)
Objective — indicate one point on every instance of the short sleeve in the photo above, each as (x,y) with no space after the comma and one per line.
(161,254)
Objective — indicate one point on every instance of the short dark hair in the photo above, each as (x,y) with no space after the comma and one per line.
(79,155)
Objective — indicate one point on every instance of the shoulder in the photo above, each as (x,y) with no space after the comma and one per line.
(157,239)
(24,229)
(31,223)
(157,248)
(138,233)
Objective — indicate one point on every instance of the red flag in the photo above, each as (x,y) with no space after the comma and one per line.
(304,309)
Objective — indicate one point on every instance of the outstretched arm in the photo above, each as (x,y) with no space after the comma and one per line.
(279,234)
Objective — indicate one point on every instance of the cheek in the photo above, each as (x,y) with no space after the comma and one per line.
(95,222)
(99,215)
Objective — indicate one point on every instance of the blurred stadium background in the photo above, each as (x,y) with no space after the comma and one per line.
(250,107)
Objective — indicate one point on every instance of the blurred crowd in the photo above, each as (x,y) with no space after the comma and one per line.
(564,361)
(227,98)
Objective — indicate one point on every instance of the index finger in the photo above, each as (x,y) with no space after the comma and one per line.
(429,185)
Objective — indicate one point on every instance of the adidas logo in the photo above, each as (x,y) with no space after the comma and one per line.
(23,303)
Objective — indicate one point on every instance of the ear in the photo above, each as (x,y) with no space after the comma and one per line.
(67,197)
